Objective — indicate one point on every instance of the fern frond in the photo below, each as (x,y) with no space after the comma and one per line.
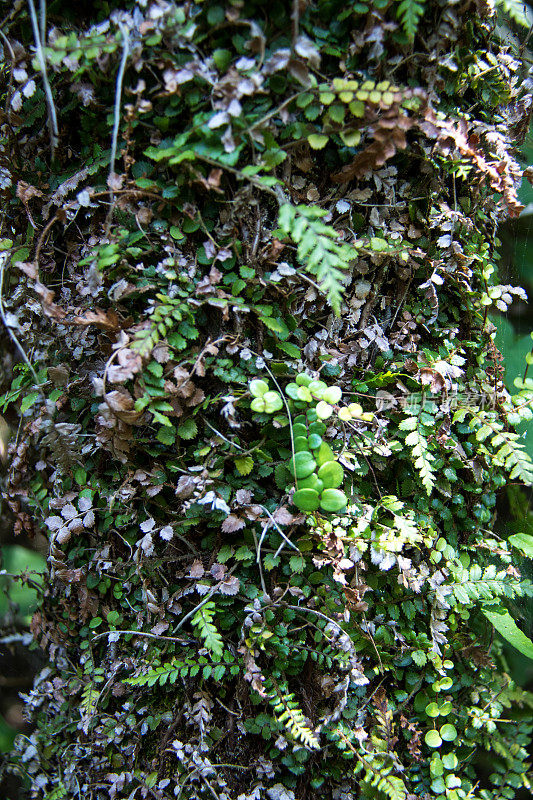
(203,622)
(170,318)
(63,440)
(89,700)
(288,712)
(409,12)
(391,786)
(319,249)
(504,447)
(418,443)
(162,674)
(188,667)
(474,584)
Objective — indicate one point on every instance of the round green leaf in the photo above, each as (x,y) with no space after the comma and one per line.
(303,379)
(432,710)
(304,394)
(317,427)
(355,409)
(311,415)
(332,394)
(333,500)
(446,708)
(291,390)
(453,781)
(314,441)
(258,405)
(450,760)
(438,786)
(258,387)
(310,482)
(443,685)
(306,499)
(432,739)
(436,766)
(317,388)
(448,732)
(317,141)
(299,430)
(273,402)
(302,464)
(324,453)
(323,410)
(332,474)
(301,444)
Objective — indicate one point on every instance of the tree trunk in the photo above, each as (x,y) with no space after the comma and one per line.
(249,252)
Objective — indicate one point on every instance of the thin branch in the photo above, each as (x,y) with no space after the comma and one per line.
(12,336)
(52,116)
(258,550)
(208,596)
(42,20)
(116,113)
(144,633)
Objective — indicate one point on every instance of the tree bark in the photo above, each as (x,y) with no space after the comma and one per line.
(248,257)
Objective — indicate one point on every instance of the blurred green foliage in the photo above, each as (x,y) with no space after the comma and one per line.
(16,595)
(514,341)
(18,601)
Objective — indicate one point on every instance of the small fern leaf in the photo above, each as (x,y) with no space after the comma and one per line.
(319,249)
(422,458)
(288,712)
(203,622)
(410,12)
(393,787)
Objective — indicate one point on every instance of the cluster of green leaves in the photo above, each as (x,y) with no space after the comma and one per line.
(420,425)
(312,466)
(287,712)
(172,320)
(318,248)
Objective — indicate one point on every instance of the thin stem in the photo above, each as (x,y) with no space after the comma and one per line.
(42,20)
(116,113)
(7,327)
(143,633)
(52,116)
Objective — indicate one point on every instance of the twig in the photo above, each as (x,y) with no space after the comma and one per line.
(116,113)
(42,20)
(224,438)
(3,317)
(281,533)
(208,596)
(318,614)
(144,633)
(258,559)
(52,116)
(295,19)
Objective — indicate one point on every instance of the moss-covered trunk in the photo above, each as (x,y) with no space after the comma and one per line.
(249,252)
